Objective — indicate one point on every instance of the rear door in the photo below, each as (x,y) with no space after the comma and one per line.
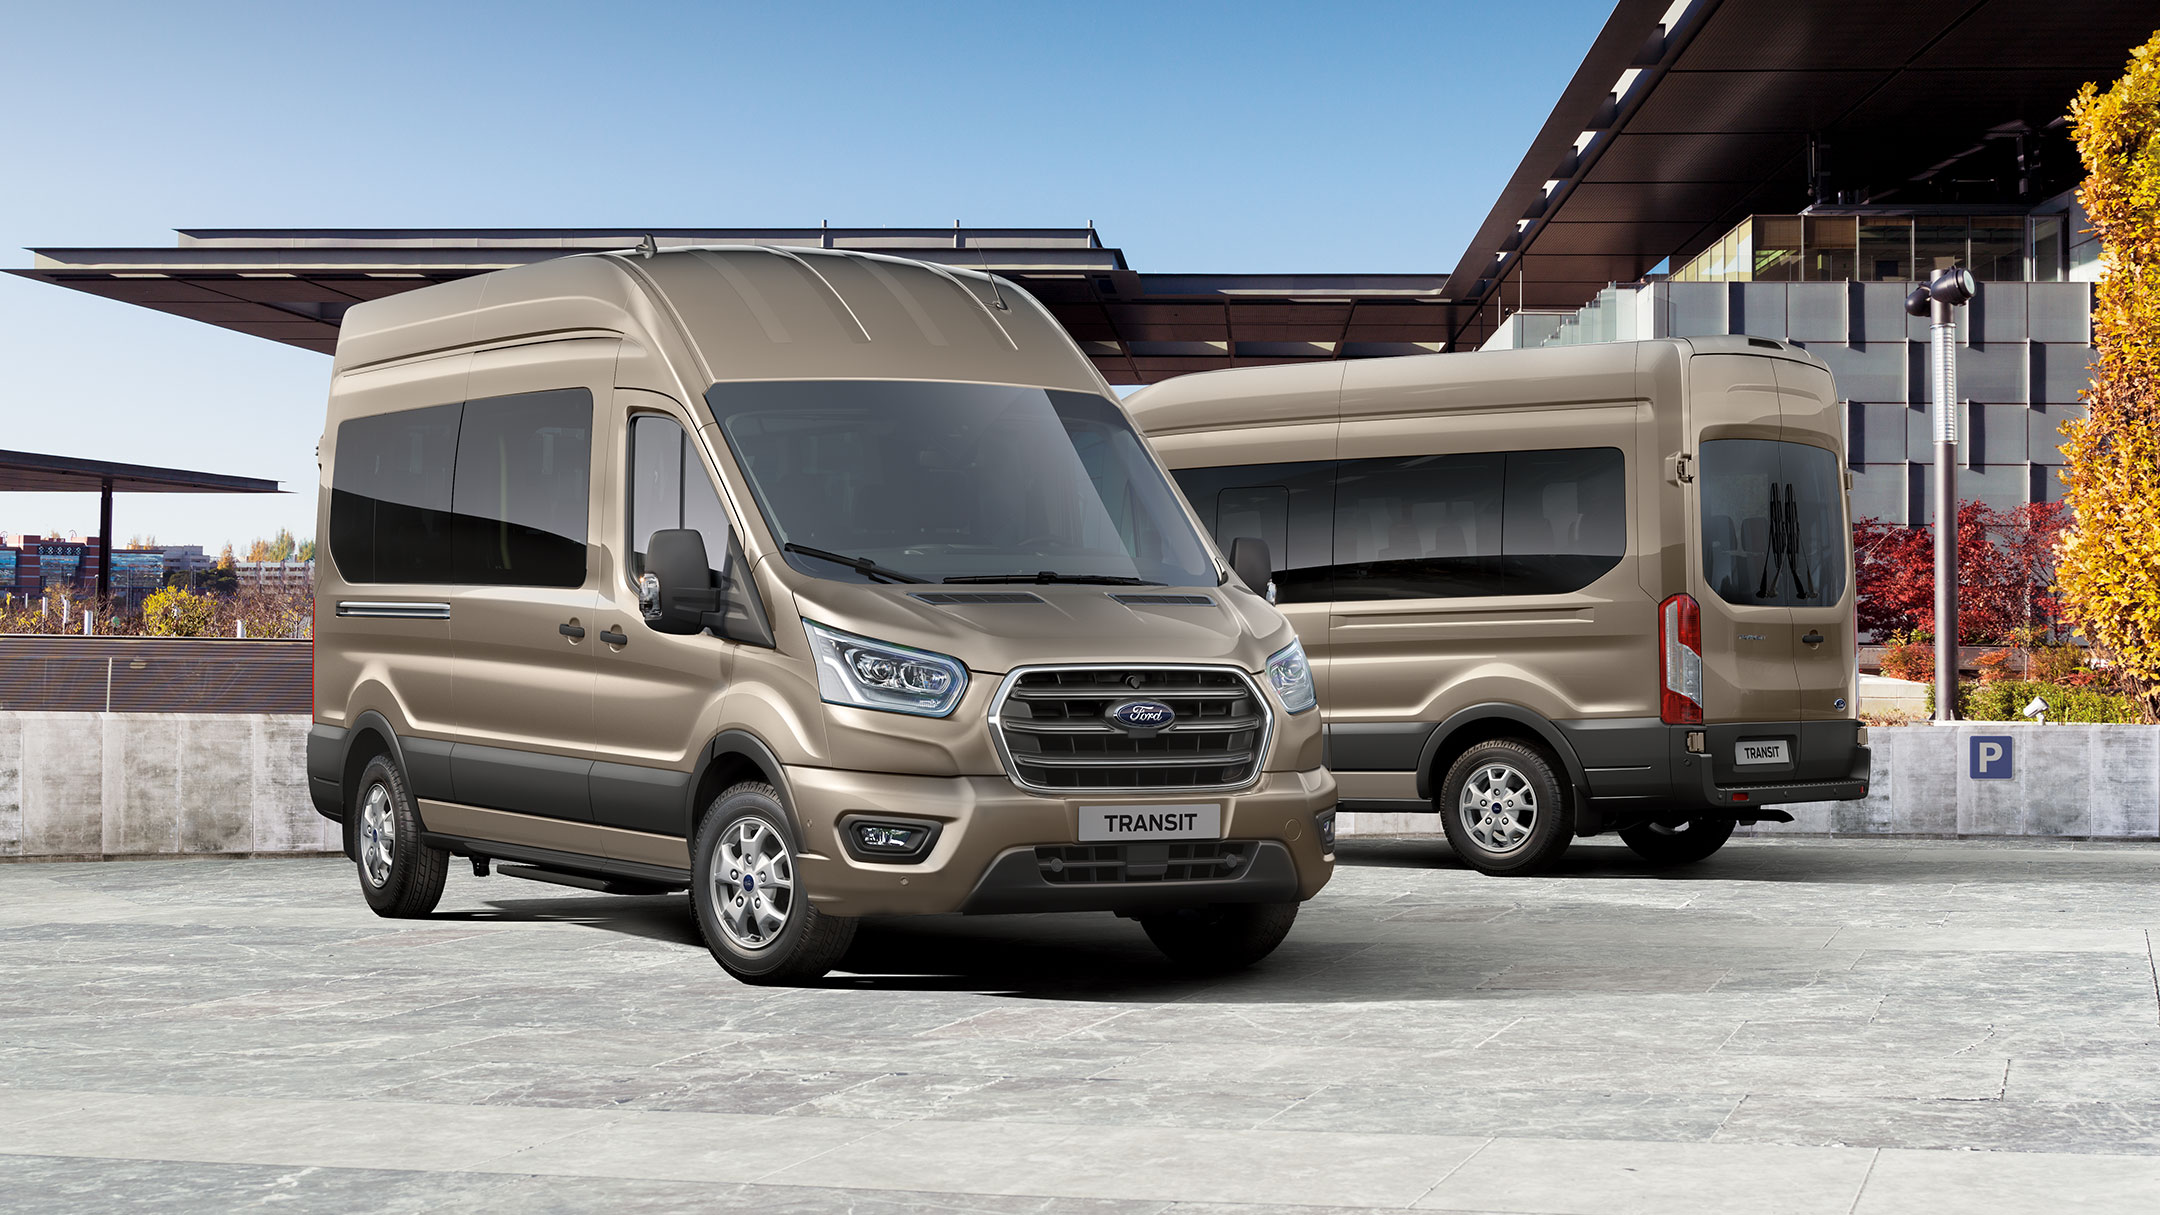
(1747,626)
(1813,467)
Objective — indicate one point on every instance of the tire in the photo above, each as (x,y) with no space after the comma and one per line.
(401,877)
(1221,938)
(1681,843)
(1485,797)
(748,896)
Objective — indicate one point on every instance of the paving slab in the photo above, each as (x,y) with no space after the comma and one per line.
(1789,1026)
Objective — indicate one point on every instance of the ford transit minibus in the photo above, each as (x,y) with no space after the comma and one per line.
(819,584)
(1552,592)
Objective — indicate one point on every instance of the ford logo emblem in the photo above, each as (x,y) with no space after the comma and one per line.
(1147,715)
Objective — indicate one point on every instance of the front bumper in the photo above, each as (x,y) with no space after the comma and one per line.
(983,857)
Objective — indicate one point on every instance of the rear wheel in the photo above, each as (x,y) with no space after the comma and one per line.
(1680,842)
(401,877)
(1220,938)
(1504,809)
(749,899)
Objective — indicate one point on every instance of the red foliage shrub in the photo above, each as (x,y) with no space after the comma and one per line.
(2006,574)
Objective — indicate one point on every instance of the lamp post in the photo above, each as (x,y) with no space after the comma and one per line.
(1950,288)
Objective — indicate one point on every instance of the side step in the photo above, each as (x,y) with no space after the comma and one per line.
(583,881)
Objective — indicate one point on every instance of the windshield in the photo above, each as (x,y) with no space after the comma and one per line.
(1773,519)
(906,479)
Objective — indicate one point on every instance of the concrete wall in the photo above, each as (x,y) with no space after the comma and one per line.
(2079,781)
(148,784)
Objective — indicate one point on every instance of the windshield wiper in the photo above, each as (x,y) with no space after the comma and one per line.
(1044,576)
(860,565)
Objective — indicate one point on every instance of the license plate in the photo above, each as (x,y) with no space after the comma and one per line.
(1118,824)
(1761,751)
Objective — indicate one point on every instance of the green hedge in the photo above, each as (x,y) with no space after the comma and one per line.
(2005,701)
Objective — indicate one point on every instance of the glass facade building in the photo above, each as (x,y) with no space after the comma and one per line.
(1883,248)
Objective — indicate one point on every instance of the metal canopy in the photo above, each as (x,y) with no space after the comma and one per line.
(1667,137)
(293,286)
(30,472)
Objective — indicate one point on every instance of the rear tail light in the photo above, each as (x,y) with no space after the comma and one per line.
(1680,658)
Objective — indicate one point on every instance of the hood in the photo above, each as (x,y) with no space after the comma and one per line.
(1060,622)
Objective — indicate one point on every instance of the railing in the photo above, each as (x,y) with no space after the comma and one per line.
(155,675)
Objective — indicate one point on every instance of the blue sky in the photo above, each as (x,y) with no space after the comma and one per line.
(1249,137)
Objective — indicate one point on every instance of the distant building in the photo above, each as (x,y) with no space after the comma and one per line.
(33,566)
(275,575)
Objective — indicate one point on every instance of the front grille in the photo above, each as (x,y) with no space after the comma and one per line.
(1093,864)
(1056,737)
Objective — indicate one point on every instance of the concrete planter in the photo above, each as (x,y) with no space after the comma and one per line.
(150,784)
(2077,781)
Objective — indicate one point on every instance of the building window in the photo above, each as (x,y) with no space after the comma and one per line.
(1886,252)
(1998,249)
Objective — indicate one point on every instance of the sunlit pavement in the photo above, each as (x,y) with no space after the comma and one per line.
(1790,1026)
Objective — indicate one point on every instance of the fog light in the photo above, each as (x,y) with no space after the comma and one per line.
(1325,821)
(880,837)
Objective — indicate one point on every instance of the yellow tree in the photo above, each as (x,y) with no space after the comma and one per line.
(2110,557)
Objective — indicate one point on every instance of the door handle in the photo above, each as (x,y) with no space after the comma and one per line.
(1811,637)
(574,632)
(615,637)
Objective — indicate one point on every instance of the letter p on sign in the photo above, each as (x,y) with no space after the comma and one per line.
(1990,758)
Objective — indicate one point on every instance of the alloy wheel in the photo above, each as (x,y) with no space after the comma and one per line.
(753,884)
(1498,808)
(378,836)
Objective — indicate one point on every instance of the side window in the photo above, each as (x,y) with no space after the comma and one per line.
(1288,505)
(1487,523)
(390,496)
(669,488)
(1419,527)
(522,492)
(1566,519)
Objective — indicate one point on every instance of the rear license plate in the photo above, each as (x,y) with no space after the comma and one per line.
(1761,751)
(1119,824)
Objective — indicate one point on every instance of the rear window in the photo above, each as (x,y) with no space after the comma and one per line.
(1773,521)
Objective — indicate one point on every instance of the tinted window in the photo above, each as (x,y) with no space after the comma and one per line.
(1287,505)
(390,496)
(1419,527)
(1563,519)
(669,488)
(1773,517)
(521,492)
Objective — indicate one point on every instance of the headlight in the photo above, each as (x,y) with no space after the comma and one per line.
(870,674)
(1291,678)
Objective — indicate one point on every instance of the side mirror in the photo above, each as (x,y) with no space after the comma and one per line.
(1251,562)
(676,593)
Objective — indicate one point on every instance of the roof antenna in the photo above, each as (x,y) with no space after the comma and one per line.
(648,246)
(997,297)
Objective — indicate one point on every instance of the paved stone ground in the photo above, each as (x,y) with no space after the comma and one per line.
(1789,1027)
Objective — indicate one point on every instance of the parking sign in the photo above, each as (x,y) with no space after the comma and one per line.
(1990,757)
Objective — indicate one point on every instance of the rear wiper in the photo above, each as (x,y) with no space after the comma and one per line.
(860,565)
(1044,576)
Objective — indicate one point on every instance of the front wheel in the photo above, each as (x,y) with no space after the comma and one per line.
(748,896)
(1681,843)
(1221,938)
(1504,809)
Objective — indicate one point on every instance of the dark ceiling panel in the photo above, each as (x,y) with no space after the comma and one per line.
(1655,239)
(282,290)
(2088,39)
(1658,158)
(1731,103)
(1645,202)
(1768,35)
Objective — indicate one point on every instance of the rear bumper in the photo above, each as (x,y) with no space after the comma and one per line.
(1638,770)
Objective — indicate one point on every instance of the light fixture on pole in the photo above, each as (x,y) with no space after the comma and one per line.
(1950,288)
